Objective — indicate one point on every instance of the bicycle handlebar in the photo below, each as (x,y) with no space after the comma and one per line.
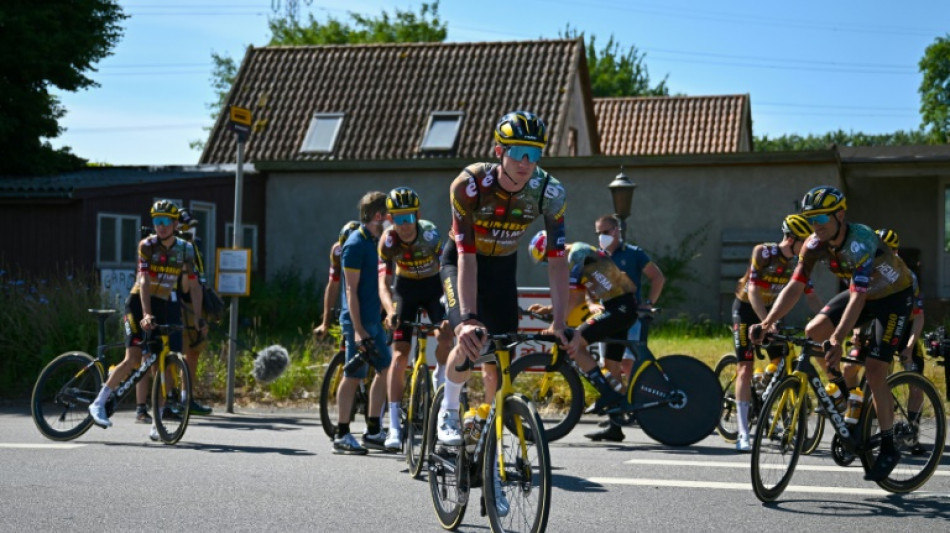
(510,340)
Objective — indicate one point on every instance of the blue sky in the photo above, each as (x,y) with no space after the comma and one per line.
(809,66)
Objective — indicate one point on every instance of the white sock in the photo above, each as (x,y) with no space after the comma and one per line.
(453,393)
(394,415)
(439,375)
(744,419)
(104,393)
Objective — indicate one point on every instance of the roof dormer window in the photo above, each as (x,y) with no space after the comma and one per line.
(323,133)
(442,131)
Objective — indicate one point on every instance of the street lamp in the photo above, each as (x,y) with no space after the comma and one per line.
(621,191)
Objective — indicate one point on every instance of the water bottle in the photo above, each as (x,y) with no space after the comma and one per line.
(767,375)
(855,403)
(615,383)
(474,423)
(835,393)
(757,384)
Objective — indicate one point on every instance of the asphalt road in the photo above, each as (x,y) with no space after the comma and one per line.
(274,471)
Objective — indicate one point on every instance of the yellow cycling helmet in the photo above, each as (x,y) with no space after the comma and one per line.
(521,128)
(796,225)
(165,208)
(402,199)
(890,238)
(823,199)
(346,230)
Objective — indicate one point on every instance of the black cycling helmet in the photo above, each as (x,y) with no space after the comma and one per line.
(165,208)
(797,226)
(521,127)
(346,230)
(890,238)
(402,199)
(186,220)
(823,199)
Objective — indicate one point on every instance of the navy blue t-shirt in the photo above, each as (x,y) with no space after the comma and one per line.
(632,260)
(360,255)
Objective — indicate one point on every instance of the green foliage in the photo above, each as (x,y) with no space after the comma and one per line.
(935,90)
(676,265)
(223,74)
(614,73)
(44,44)
(790,143)
(286,304)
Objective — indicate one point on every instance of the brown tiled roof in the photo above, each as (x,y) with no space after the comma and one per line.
(387,92)
(674,125)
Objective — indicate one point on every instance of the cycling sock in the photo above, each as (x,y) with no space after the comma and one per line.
(104,393)
(141,408)
(342,430)
(372,425)
(394,415)
(450,400)
(743,418)
(439,375)
(887,440)
(913,416)
(600,383)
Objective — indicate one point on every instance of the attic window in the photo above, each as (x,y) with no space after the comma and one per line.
(323,133)
(442,131)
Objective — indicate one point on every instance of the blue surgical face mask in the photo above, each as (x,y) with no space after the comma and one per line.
(605,240)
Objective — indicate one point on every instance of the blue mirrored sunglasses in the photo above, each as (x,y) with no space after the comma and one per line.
(404,218)
(162,221)
(519,152)
(819,219)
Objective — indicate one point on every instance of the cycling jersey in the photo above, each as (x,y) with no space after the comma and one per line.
(417,259)
(593,270)
(872,267)
(336,251)
(490,221)
(163,266)
(768,273)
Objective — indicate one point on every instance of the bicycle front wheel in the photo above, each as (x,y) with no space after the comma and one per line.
(328,391)
(777,441)
(920,430)
(522,500)
(449,480)
(558,395)
(814,425)
(62,394)
(728,425)
(416,417)
(692,400)
(171,398)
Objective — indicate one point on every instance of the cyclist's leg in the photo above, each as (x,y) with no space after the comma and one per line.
(743,315)
(377,391)
(343,441)
(635,334)
(444,336)
(447,422)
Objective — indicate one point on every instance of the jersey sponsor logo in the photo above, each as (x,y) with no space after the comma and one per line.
(766,253)
(499,224)
(812,242)
(459,238)
(338,250)
(861,280)
(502,234)
(429,235)
(487,180)
(471,189)
(449,292)
(500,211)
(459,210)
(553,191)
(534,183)
(516,212)
(389,240)
(856,247)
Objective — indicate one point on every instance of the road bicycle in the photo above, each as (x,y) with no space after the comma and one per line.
(415,415)
(779,437)
(509,460)
(728,424)
(71,382)
(676,399)
(329,410)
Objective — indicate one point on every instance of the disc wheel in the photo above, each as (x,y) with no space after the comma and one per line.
(695,400)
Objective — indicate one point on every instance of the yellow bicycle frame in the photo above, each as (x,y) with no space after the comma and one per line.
(416,368)
(504,391)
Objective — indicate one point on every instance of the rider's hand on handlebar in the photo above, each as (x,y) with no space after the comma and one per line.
(148,322)
(470,343)
(833,351)
(757,332)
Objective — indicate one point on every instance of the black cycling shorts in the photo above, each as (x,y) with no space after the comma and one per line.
(164,311)
(497,297)
(618,316)
(743,316)
(890,317)
(410,295)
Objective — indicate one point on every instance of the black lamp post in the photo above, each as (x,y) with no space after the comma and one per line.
(621,191)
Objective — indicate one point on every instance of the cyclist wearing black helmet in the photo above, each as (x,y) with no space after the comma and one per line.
(880,292)
(409,252)
(770,269)
(493,204)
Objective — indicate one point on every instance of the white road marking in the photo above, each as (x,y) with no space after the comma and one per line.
(40,446)
(729,486)
(723,464)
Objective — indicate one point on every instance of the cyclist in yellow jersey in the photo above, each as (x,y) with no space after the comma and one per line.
(881,292)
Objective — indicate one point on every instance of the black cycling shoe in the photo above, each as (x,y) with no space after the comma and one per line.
(884,465)
(142,417)
(196,408)
(613,433)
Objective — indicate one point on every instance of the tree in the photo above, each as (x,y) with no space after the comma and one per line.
(791,143)
(935,90)
(42,45)
(615,74)
(403,27)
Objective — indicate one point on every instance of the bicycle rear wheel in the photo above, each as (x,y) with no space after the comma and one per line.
(728,425)
(171,398)
(448,467)
(920,438)
(522,501)
(777,441)
(62,394)
(695,400)
(417,415)
(329,411)
(557,395)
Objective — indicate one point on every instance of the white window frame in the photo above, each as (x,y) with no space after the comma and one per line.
(229,239)
(210,238)
(312,131)
(438,117)
(116,219)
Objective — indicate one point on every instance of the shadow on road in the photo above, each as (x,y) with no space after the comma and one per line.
(575,484)
(217,448)
(922,505)
(253,423)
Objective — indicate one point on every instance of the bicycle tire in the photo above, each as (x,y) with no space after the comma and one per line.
(417,417)
(726,373)
(814,425)
(449,484)
(693,416)
(527,487)
(561,404)
(915,468)
(171,399)
(774,452)
(61,396)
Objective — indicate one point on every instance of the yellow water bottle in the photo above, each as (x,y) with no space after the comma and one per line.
(855,404)
(835,393)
